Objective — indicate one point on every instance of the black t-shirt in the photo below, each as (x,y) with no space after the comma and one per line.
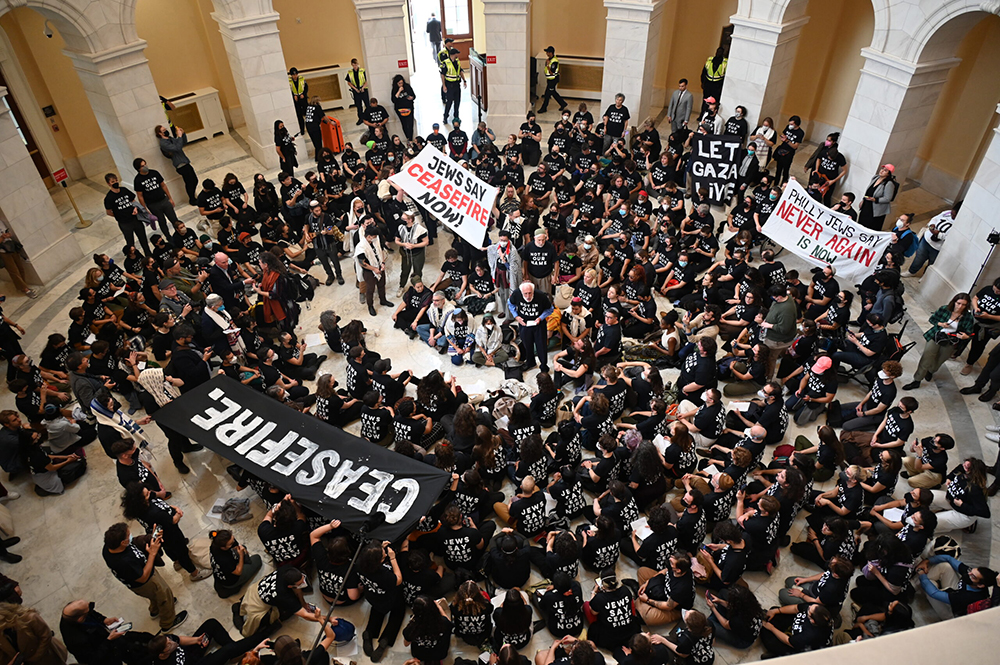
(698,649)
(381,590)
(331,575)
(710,420)
(896,427)
(473,625)
(120,204)
(563,613)
(530,310)
(458,140)
(127,565)
(667,586)
(224,564)
(795,135)
(210,199)
(830,166)
(615,617)
(431,646)
(617,120)
(806,636)
(284,544)
(529,513)
(278,595)
(148,184)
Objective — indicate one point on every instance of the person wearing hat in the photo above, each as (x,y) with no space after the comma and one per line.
(710,119)
(539,261)
(458,141)
(816,390)
(551,81)
(300,96)
(878,198)
(452,75)
(713,76)
(436,138)
(357,81)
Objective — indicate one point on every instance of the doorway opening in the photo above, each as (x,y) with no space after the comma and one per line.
(25,133)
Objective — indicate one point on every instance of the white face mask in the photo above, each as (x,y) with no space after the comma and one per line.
(911,521)
(882,375)
(761,394)
(746,432)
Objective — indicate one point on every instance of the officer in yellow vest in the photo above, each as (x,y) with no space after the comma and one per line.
(551,81)
(713,75)
(442,57)
(357,81)
(300,96)
(451,75)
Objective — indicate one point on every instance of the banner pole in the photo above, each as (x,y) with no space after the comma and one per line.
(365,538)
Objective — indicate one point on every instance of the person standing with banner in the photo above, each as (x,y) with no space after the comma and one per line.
(369,261)
(530,310)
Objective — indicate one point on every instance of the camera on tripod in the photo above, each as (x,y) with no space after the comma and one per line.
(994,237)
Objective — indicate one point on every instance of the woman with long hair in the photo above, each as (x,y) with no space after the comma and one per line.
(284,145)
(333,407)
(693,641)
(600,544)
(429,632)
(472,614)
(275,296)
(154,514)
(382,581)
(23,632)
(402,103)
(545,402)
(828,454)
(962,499)
(646,479)
(575,364)
(265,197)
(951,325)
(679,457)
(512,621)
(736,619)
(490,456)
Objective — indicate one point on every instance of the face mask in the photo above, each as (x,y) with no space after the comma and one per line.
(908,497)
(130,539)
(746,432)
(144,169)
(882,375)
(222,308)
(761,394)
(208,245)
(773,197)
(827,143)
(911,521)
(100,278)
(623,212)
(587,245)
(751,152)
(111,262)
(682,264)
(791,126)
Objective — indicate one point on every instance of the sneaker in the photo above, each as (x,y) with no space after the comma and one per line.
(400,291)
(361,298)
(200,574)
(995,438)
(31,294)
(989,428)
(179,619)
(11,496)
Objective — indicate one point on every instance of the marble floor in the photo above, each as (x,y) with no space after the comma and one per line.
(62,536)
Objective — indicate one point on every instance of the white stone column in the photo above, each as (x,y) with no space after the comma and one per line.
(28,210)
(631,50)
(508,39)
(760,66)
(966,247)
(121,91)
(892,107)
(383,40)
(258,65)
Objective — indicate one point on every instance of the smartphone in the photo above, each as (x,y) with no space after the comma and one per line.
(124,627)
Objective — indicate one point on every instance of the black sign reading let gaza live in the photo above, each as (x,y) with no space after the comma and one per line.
(323,467)
(715,164)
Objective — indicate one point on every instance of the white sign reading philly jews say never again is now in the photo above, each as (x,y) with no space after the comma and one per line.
(452,194)
(821,236)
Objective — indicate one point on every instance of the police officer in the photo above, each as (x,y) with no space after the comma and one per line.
(357,81)
(551,81)
(451,75)
(300,96)
(442,57)
(712,77)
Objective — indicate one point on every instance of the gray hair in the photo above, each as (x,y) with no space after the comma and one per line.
(328,320)
(440,294)
(213,300)
(526,285)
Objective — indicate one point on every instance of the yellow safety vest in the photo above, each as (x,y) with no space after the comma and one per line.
(453,70)
(298,87)
(443,55)
(552,69)
(718,74)
(359,77)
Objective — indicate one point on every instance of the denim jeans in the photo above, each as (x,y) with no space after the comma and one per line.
(924,254)
(424,332)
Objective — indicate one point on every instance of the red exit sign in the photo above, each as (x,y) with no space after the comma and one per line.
(491,60)
(60,175)
(403,64)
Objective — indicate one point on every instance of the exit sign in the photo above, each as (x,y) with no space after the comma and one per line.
(403,64)
(491,60)
(60,175)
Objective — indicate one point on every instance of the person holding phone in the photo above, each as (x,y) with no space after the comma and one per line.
(182,650)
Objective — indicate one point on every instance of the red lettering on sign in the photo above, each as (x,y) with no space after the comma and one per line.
(436,187)
(425,178)
(415,170)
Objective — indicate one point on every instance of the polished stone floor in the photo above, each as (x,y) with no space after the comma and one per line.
(61,536)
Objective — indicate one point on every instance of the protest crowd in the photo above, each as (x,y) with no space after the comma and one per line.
(637,412)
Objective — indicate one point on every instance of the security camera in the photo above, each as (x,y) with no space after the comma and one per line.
(47,30)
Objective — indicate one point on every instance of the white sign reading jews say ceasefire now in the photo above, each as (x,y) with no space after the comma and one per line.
(823,237)
(452,194)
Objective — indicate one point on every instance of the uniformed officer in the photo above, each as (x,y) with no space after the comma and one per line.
(551,81)
(300,96)
(712,77)
(452,75)
(442,57)
(357,81)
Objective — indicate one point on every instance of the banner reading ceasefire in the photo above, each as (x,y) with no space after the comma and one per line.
(452,194)
(821,236)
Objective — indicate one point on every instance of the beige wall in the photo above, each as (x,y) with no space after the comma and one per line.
(828,64)
(691,32)
(573,27)
(317,33)
(965,111)
(479,26)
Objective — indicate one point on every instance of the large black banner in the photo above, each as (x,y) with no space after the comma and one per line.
(714,164)
(326,469)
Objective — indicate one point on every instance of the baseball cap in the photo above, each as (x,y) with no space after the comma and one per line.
(710,100)
(890,168)
(244,236)
(643,193)
(550,49)
(293,71)
(539,233)
(822,364)
(436,126)
(165,284)
(313,203)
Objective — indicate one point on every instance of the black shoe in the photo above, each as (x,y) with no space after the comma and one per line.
(329,280)
(10,557)
(544,368)
(904,474)
(192,448)
(366,645)
(371,310)
(539,625)
(179,619)
(442,350)
(340,279)
(386,303)
(236,473)
(563,107)
(411,333)
(182,468)
(543,110)
(360,122)
(987,397)
(193,202)
(992,489)
(971,390)
(912,385)
(10,542)
(929,377)
(379,653)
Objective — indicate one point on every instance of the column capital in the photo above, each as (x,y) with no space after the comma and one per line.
(766,32)
(506,6)
(634,11)
(904,72)
(110,60)
(389,7)
(247,27)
